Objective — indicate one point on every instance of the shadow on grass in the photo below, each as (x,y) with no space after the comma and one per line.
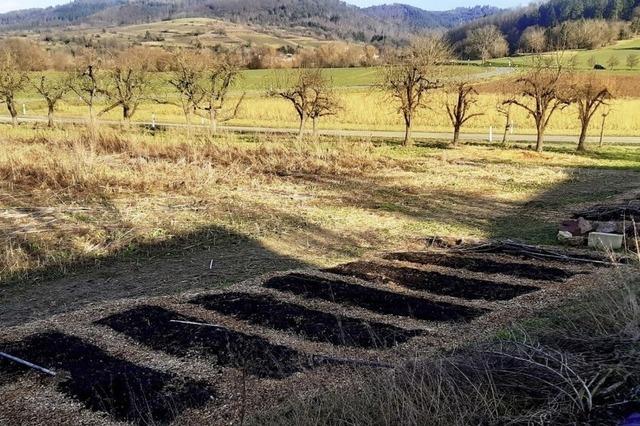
(214,256)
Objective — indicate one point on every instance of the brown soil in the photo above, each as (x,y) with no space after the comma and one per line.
(311,324)
(384,302)
(152,326)
(125,390)
(484,265)
(432,282)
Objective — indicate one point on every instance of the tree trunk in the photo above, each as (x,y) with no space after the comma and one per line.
(13,111)
(506,133)
(407,132)
(540,138)
(50,111)
(126,117)
(315,128)
(456,135)
(213,121)
(583,137)
(303,121)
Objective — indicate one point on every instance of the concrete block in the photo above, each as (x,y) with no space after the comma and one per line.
(603,240)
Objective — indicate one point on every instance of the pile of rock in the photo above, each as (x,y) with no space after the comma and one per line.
(597,234)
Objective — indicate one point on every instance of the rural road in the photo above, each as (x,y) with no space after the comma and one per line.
(382,134)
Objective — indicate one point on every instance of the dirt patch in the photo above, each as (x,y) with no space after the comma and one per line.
(126,391)
(310,323)
(152,326)
(432,282)
(522,251)
(484,265)
(384,302)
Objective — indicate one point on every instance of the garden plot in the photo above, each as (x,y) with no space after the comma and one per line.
(126,391)
(432,282)
(484,264)
(211,357)
(380,301)
(156,327)
(311,324)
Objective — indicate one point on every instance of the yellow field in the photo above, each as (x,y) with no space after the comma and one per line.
(368,109)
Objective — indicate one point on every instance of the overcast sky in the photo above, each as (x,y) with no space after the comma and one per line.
(7,5)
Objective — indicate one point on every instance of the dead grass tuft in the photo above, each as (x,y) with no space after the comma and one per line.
(574,365)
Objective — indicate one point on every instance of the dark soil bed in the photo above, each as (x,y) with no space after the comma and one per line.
(432,282)
(126,391)
(380,301)
(487,266)
(152,326)
(312,324)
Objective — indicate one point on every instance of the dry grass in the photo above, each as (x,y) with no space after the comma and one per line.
(573,365)
(67,199)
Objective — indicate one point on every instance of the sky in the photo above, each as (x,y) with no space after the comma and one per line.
(8,5)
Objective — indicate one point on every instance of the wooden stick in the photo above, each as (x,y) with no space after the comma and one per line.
(202,324)
(26,363)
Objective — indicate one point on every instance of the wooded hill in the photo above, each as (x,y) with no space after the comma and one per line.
(330,19)
(552,14)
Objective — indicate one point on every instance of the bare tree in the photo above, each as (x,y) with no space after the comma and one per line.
(86,83)
(218,79)
(486,42)
(325,104)
(533,40)
(543,92)
(459,106)
(52,90)
(589,95)
(633,60)
(413,73)
(308,90)
(12,80)
(613,62)
(187,81)
(126,86)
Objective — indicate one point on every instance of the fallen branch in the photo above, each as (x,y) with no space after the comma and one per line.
(26,363)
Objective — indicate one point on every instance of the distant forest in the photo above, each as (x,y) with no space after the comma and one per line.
(552,14)
(329,19)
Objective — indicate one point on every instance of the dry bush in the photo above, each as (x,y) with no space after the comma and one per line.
(112,160)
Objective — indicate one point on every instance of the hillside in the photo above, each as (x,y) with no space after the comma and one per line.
(551,14)
(416,18)
(328,19)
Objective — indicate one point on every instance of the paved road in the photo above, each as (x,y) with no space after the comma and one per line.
(382,134)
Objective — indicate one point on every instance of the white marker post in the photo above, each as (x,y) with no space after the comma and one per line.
(490,134)
(24,109)
(153,121)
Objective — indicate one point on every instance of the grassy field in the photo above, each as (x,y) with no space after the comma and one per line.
(183,32)
(67,200)
(620,50)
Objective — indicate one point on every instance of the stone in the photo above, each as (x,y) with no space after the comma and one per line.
(584,225)
(606,241)
(607,227)
(565,237)
(570,225)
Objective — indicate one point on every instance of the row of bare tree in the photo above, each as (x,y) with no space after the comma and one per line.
(547,85)
(201,83)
